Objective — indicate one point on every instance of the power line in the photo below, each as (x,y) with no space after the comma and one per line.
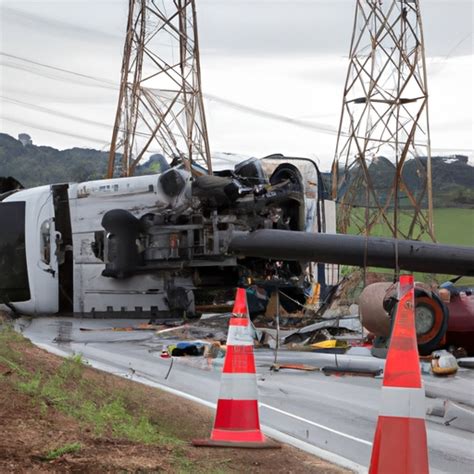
(57,77)
(57,113)
(48,24)
(57,131)
(67,71)
(22,16)
(111,85)
(323,128)
(273,116)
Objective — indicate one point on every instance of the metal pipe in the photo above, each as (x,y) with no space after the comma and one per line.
(354,250)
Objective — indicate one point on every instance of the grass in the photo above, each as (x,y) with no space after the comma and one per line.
(108,414)
(453,226)
(9,355)
(62,450)
(69,392)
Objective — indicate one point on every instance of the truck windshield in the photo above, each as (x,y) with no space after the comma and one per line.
(14,285)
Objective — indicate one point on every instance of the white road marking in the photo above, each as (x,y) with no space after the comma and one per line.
(309,422)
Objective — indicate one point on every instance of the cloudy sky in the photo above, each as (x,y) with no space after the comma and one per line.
(273,72)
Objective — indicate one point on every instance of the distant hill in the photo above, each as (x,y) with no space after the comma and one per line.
(453,177)
(37,165)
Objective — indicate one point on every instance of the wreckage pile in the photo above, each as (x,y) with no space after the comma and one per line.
(330,328)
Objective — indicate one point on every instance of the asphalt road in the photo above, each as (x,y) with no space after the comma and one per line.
(334,414)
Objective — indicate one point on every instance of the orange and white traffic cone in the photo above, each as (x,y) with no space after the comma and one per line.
(237,423)
(400,444)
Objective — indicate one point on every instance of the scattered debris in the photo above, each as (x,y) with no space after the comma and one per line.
(466,362)
(165,354)
(458,352)
(425,366)
(308,368)
(214,308)
(351,371)
(436,407)
(165,326)
(459,416)
(187,348)
(215,350)
(315,332)
(330,346)
(176,328)
(443,363)
(29,429)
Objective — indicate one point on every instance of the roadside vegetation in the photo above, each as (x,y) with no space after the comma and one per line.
(66,449)
(59,415)
(70,392)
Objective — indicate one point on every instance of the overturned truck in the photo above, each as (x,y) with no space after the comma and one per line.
(145,246)
(149,246)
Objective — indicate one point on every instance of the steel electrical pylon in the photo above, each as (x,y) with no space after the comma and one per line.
(382,166)
(160,107)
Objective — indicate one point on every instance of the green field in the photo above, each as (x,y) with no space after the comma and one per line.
(452,226)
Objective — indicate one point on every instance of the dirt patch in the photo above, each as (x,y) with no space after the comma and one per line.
(36,423)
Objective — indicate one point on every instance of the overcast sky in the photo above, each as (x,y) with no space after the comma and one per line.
(287,58)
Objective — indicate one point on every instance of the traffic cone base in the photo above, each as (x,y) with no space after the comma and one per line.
(409,435)
(209,443)
(237,423)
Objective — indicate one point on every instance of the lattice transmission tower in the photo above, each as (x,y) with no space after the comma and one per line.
(382,166)
(160,106)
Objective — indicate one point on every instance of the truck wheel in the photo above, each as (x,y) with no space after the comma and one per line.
(431,321)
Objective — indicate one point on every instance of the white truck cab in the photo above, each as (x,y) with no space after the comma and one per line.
(28,256)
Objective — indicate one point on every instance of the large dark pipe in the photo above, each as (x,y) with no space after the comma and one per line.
(355,250)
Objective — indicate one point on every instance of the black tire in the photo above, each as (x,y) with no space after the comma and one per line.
(441,323)
(435,342)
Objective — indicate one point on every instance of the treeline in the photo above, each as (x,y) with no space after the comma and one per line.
(453,177)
